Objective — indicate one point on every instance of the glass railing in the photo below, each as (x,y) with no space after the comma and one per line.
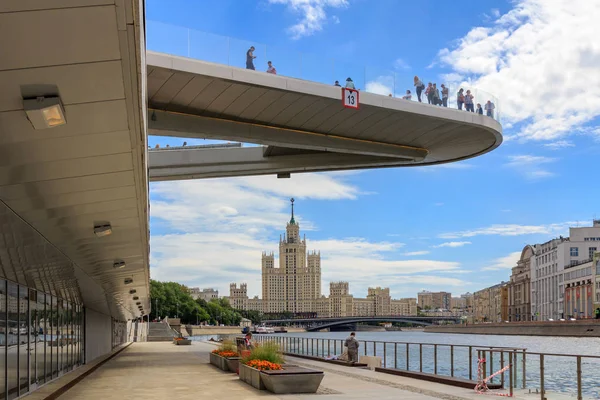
(229,51)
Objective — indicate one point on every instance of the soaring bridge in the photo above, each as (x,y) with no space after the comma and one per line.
(316,324)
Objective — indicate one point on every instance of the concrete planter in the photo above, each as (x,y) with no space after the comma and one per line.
(182,342)
(292,380)
(219,362)
(233,364)
(251,376)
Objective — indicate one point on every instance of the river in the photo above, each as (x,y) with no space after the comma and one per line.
(560,372)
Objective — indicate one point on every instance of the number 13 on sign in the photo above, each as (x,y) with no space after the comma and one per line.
(350,98)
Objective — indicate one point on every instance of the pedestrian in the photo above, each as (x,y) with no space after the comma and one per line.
(248,341)
(479,110)
(429,93)
(271,69)
(250,58)
(445,93)
(349,84)
(460,99)
(337,83)
(435,97)
(419,86)
(407,96)
(352,344)
(469,101)
(489,109)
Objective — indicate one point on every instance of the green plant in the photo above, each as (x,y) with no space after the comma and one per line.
(267,351)
(228,345)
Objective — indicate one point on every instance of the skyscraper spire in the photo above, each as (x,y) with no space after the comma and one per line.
(292,221)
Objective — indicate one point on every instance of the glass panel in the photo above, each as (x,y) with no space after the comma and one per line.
(48,337)
(23,339)
(3,336)
(55,339)
(70,339)
(32,333)
(61,336)
(13,340)
(40,342)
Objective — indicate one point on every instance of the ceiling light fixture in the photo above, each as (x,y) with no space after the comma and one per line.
(118,264)
(102,230)
(128,281)
(132,291)
(45,112)
(139,303)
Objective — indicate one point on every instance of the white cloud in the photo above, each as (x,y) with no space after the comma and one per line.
(335,19)
(529,166)
(452,244)
(379,88)
(495,12)
(416,253)
(438,204)
(541,60)
(313,15)
(401,64)
(511,230)
(559,144)
(506,262)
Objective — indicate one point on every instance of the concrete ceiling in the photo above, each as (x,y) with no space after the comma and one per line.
(63,180)
(192,98)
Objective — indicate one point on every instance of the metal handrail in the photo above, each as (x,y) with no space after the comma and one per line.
(503,355)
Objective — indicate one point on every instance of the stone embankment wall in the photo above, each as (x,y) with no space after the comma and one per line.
(225,330)
(581,328)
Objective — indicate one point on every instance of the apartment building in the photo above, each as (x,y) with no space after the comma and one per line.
(434,300)
(519,287)
(491,304)
(204,294)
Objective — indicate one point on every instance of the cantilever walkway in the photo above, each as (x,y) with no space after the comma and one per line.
(159,370)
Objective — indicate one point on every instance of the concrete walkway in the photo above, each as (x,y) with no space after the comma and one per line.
(158,370)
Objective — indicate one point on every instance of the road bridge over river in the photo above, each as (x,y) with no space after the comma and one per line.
(316,324)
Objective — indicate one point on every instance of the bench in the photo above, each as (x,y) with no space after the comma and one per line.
(446,380)
(337,362)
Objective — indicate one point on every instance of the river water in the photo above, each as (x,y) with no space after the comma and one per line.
(560,374)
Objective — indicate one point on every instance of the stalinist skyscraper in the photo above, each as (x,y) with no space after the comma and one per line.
(296,285)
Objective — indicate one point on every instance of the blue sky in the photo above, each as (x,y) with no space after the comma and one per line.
(458,227)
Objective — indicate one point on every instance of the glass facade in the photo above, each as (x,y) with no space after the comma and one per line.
(40,338)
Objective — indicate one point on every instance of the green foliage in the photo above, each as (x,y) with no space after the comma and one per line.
(254,316)
(171,299)
(267,351)
(228,345)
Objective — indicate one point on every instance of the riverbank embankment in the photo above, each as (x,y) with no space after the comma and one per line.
(225,330)
(580,328)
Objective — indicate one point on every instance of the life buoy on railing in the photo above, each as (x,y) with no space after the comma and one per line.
(481,387)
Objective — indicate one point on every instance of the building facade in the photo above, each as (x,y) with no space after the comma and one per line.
(519,287)
(204,294)
(548,266)
(434,300)
(579,281)
(491,304)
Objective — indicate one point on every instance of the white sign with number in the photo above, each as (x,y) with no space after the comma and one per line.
(350,98)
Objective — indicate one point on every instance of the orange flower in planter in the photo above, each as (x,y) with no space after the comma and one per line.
(263,365)
(228,354)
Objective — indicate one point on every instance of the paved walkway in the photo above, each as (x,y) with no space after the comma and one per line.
(160,370)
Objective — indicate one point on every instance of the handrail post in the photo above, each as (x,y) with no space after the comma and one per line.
(471,363)
(435,359)
(511,356)
(365,347)
(420,357)
(524,368)
(501,367)
(335,346)
(374,349)
(451,360)
(328,347)
(484,364)
(491,363)
(407,357)
(395,355)
(542,376)
(579,395)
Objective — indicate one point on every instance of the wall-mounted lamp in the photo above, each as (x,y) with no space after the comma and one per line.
(102,230)
(118,264)
(45,112)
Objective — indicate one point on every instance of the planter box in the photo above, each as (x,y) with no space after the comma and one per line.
(251,376)
(292,380)
(219,362)
(233,364)
(182,342)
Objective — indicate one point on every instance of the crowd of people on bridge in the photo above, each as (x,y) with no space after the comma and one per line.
(433,94)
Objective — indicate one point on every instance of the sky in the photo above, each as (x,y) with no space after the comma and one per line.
(456,227)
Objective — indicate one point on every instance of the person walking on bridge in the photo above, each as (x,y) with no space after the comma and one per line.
(250,58)
(352,345)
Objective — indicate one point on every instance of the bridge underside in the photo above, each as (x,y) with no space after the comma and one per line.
(303,125)
(353,322)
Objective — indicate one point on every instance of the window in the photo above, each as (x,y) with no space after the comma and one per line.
(574,251)
(591,252)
